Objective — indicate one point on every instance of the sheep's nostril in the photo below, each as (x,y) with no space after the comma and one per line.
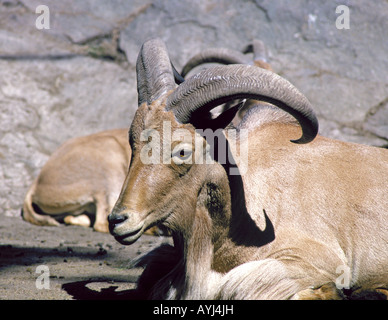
(115,220)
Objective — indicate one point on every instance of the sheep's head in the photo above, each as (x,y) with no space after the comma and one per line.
(172,176)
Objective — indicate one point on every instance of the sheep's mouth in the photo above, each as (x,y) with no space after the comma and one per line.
(126,233)
(130,237)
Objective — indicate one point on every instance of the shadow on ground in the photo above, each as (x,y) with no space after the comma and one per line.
(79,290)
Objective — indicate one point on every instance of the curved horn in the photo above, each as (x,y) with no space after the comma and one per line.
(229,56)
(214,86)
(154,71)
(214,55)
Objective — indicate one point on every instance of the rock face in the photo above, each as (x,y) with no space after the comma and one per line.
(78,77)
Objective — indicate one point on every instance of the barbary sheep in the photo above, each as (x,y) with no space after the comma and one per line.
(299,219)
(80,182)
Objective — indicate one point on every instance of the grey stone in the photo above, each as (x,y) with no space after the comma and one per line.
(377,120)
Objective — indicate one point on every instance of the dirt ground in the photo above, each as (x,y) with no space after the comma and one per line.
(78,263)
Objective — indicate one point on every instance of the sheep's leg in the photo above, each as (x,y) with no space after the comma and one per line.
(81,220)
(384,292)
(102,212)
(328,291)
(258,280)
(29,214)
(271,279)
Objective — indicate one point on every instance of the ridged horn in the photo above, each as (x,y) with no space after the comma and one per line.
(214,86)
(214,55)
(228,56)
(154,71)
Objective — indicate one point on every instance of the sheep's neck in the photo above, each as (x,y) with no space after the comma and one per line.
(197,258)
(197,246)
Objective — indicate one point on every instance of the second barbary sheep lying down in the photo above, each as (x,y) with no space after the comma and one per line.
(80,182)
(253,215)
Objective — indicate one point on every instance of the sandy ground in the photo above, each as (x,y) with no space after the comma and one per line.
(78,263)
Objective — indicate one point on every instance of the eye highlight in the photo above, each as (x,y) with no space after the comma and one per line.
(182,154)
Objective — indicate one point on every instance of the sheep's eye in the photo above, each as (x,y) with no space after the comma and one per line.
(182,154)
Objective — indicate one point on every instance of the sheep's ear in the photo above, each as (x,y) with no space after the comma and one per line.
(154,71)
